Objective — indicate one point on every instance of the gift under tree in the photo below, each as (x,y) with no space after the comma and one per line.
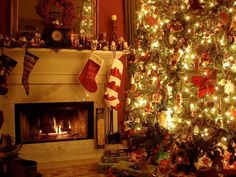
(182,77)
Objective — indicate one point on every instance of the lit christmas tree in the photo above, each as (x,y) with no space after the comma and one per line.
(182,84)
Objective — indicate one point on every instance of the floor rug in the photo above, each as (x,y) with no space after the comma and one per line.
(87,170)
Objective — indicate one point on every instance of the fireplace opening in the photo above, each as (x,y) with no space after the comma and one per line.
(46,122)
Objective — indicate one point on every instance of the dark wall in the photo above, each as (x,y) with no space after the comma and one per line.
(107,8)
(4,16)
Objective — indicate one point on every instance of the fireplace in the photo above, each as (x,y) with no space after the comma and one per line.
(47,122)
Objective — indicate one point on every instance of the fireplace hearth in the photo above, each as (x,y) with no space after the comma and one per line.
(48,122)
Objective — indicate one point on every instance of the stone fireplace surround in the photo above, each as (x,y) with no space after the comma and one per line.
(54,79)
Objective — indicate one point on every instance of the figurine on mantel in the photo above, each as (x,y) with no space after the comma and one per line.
(23,41)
(121,43)
(84,43)
(94,44)
(113,48)
(102,40)
(7,41)
(36,40)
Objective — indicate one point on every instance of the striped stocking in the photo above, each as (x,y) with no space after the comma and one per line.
(113,85)
(29,61)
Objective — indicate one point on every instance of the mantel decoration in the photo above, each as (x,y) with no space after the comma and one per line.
(57,13)
(58,16)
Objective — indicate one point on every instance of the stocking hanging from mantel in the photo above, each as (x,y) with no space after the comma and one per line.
(6,66)
(111,94)
(29,61)
(89,73)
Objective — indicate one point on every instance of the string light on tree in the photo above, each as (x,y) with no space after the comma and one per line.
(187,49)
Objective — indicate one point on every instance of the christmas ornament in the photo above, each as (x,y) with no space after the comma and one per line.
(176,27)
(89,73)
(226,63)
(205,59)
(156,97)
(29,61)
(229,88)
(151,20)
(223,18)
(113,86)
(233,68)
(205,84)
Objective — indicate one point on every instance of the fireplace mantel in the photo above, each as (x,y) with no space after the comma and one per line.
(54,78)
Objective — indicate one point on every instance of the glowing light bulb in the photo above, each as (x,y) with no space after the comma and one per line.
(224,139)
(186,66)
(154,79)
(175,108)
(185,78)
(155,44)
(154,67)
(197,24)
(226,99)
(187,17)
(213,110)
(215,98)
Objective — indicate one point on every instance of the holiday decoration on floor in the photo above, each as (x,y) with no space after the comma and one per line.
(113,86)
(6,66)
(181,103)
(89,72)
(29,61)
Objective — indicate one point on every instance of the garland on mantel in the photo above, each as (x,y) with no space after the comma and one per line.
(65,7)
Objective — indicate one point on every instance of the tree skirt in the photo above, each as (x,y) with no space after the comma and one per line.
(87,170)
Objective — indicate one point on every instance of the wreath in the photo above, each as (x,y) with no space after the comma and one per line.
(63,14)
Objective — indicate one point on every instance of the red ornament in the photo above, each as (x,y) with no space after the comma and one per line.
(205,84)
(150,20)
(223,18)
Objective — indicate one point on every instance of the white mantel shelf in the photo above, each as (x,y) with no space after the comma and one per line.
(59,64)
(54,78)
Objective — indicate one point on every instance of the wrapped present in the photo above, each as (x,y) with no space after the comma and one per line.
(207,172)
(203,162)
(229,173)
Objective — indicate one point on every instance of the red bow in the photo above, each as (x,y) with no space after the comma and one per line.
(205,84)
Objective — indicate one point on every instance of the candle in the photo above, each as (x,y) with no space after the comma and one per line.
(114,17)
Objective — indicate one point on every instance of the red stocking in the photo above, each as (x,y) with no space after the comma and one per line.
(88,75)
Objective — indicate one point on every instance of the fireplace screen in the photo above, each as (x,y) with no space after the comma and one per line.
(45,122)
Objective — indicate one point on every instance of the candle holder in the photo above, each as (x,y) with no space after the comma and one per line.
(114,28)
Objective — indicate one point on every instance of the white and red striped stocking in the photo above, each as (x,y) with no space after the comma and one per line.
(113,85)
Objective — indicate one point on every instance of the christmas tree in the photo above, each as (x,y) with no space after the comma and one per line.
(181,105)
